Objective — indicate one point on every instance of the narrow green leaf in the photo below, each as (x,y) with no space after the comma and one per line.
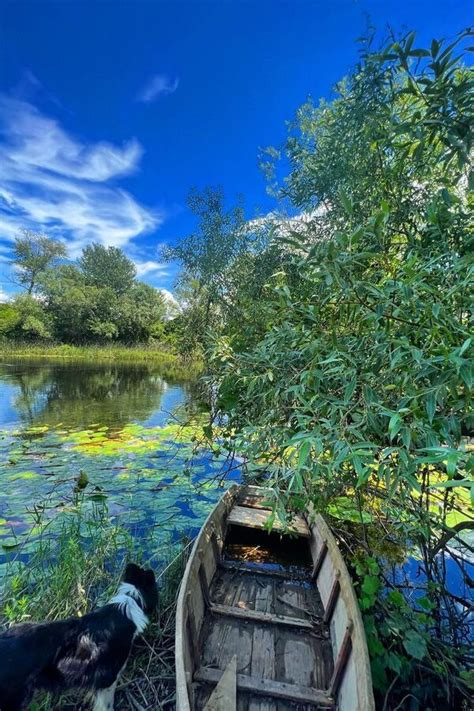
(465,346)
(346,202)
(434,48)
(394,425)
(349,389)
(431,406)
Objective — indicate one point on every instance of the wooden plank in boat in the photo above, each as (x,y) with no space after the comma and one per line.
(256,518)
(268,687)
(224,696)
(256,502)
(256,569)
(264,617)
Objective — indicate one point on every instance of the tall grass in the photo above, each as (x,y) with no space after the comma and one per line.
(159,355)
(74,572)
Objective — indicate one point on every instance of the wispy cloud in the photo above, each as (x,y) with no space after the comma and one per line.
(151,267)
(158,85)
(52,181)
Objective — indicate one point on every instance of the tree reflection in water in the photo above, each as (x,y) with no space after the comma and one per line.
(81,394)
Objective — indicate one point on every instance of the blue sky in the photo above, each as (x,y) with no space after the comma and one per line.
(110,111)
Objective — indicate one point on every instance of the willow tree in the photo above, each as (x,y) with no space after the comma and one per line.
(357,396)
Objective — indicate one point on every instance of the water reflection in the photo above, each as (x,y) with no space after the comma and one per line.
(78,395)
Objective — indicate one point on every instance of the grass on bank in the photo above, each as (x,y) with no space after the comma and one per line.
(158,355)
(79,570)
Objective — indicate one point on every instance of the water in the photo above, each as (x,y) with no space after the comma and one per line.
(109,433)
(35,393)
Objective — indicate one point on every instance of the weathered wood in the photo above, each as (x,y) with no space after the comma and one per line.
(215,547)
(224,696)
(269,687)
(333,598)
(192,635)
(263,653)
(355,689)
(255,501)
(184,660)
(341,662)
(270,619)
(257,518)
(320,560)
(204,585)
(261,617)
(261,569)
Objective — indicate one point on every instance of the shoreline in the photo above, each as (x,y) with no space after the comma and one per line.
(102,354)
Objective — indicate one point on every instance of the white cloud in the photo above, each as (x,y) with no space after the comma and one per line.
(52,181)
(283,225)
(150,267)
(4,297)
(159,85)
(173,307)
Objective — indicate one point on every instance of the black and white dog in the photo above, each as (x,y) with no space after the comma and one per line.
(87,652)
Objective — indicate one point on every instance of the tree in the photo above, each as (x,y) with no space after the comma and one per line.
(218,261)
(207,253)
(83,312)
(141,314)
(34,322)
(33,254)
(107,267)
(9,319)
(358,390)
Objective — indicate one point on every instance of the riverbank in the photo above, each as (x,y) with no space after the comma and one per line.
(158,355)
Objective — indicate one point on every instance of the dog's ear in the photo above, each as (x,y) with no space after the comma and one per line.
(150,577)
(133,574)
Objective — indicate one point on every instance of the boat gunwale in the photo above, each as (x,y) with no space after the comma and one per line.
(357,632)
(182,692)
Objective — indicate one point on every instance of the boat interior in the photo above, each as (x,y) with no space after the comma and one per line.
(261,637)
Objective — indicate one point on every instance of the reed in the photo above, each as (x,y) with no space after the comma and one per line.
(156,355)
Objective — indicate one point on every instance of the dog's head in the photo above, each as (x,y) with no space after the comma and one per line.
(144,581)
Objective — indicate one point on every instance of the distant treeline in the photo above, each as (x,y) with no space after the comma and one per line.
(97,299)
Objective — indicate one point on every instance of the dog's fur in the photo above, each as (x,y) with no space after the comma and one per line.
(87,652)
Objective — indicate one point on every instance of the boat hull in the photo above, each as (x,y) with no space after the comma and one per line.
(293,638)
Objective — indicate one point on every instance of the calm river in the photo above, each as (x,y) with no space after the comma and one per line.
(112,432)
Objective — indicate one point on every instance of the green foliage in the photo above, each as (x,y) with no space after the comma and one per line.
(33,321)
(9,319)
(358,377)
(226,265)
(205,257)
(97,300)
(73,305)
(33,254)
(66,575)
(107,267)
(141,314)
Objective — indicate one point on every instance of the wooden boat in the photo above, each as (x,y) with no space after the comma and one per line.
(257,634)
